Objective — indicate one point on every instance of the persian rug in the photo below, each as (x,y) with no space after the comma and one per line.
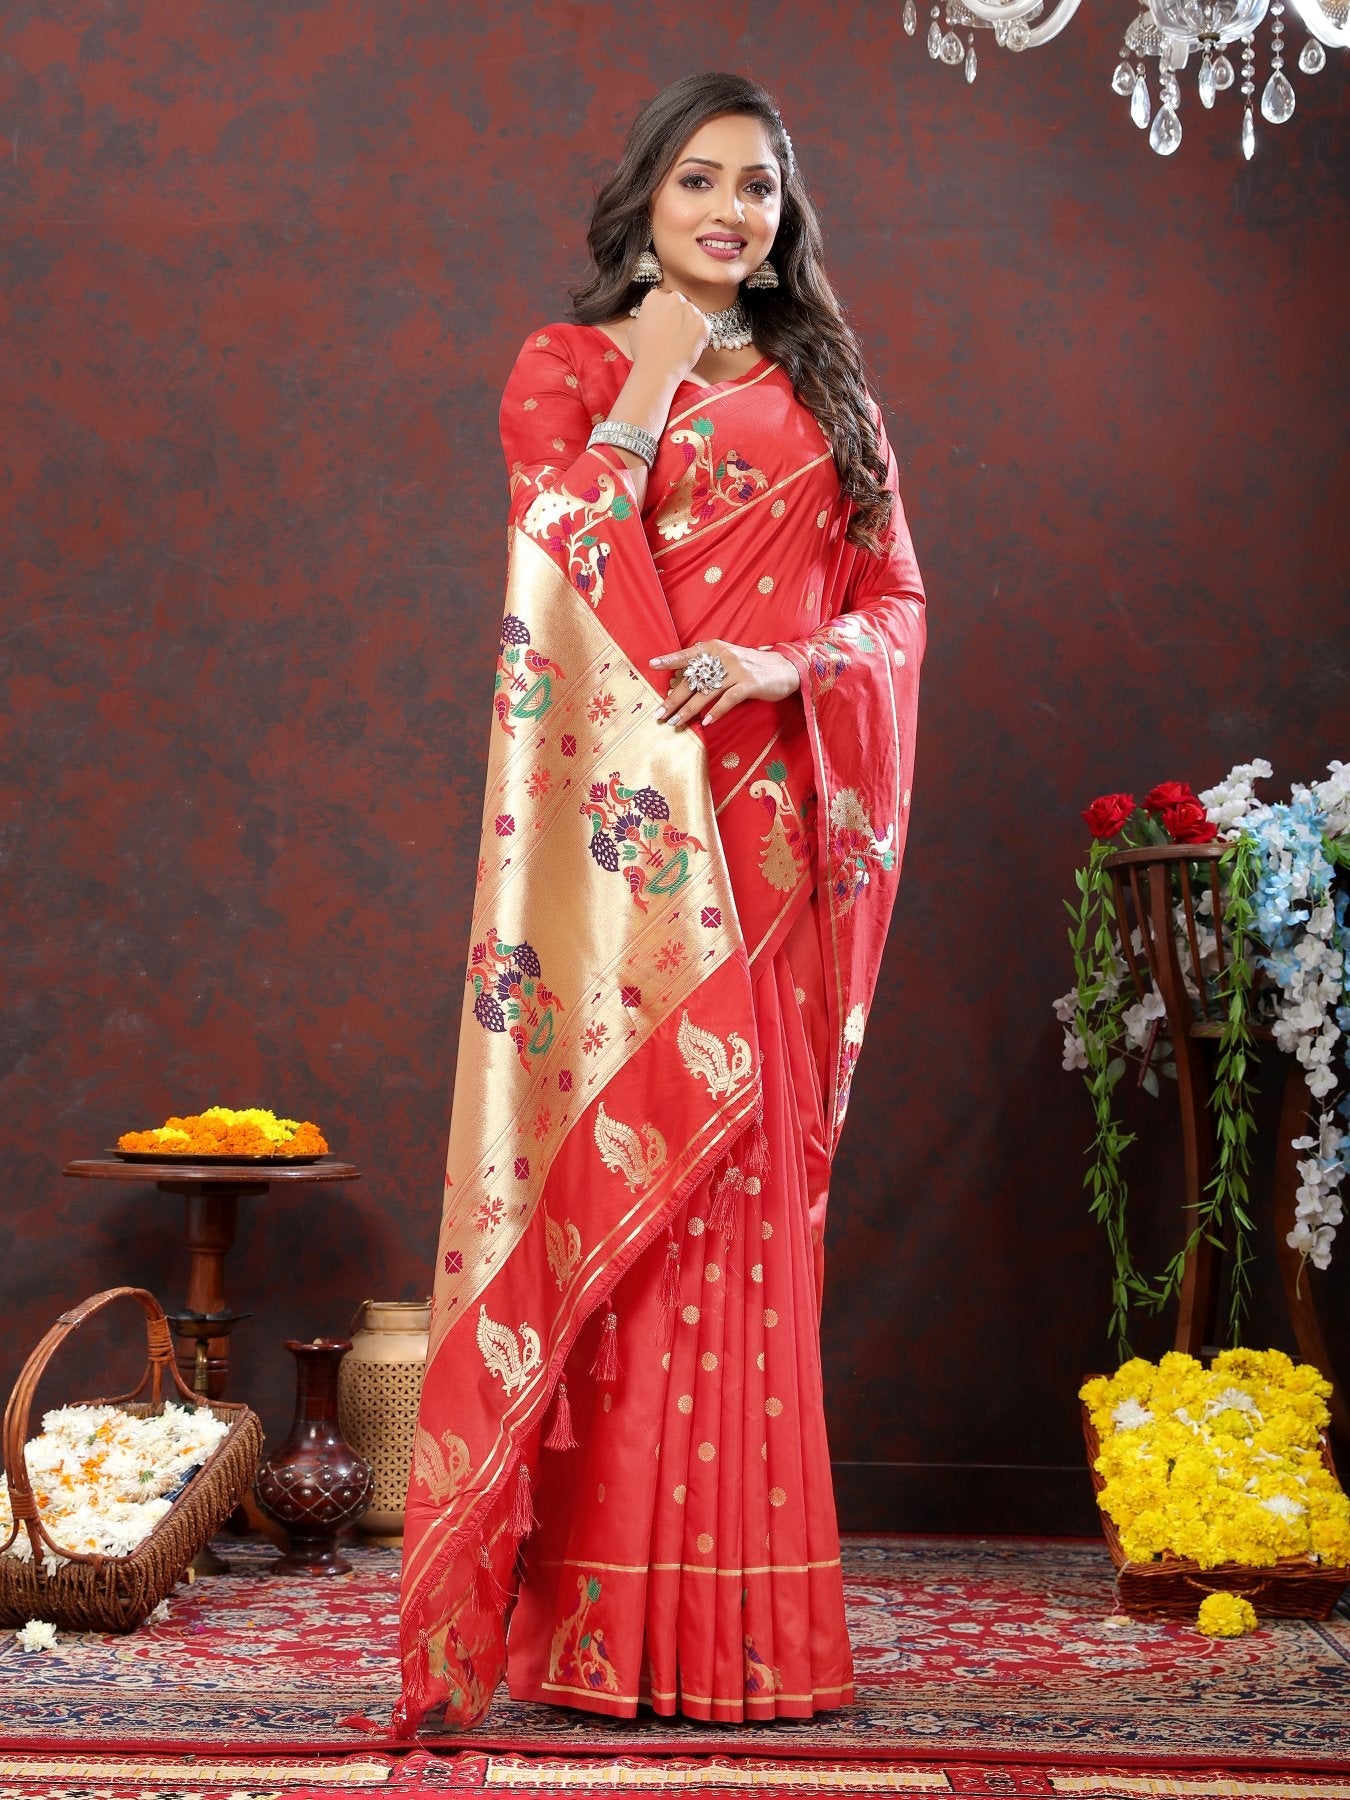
(457,1776)
(976,1649)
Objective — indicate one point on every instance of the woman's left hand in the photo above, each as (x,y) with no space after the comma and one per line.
(751,675)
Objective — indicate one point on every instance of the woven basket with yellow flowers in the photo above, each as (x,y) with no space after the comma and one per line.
(1216,1486)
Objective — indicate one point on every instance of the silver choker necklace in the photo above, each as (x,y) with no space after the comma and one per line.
(729,329)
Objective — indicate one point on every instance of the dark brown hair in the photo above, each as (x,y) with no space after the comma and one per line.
(799,323)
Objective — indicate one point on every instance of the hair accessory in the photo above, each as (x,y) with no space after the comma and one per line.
(791,157)
(647,268)
(625,437)
(765,276)
(705,674)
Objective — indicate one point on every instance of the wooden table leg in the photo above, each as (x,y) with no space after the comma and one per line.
(212,1213)
(1298,1279)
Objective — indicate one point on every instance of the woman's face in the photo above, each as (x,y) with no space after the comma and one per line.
(715,215)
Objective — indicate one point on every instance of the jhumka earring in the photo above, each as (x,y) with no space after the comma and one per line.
(765,276)
(647,268)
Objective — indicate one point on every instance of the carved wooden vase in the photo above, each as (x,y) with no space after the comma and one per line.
(315,1483)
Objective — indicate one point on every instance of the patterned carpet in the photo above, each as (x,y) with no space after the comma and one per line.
(420,1776)
(982,1650)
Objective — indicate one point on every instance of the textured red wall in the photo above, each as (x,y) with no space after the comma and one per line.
(263,270)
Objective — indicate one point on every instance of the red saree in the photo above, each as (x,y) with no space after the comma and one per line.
(621,1457)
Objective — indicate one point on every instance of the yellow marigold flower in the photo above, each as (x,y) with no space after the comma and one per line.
(1226,1615)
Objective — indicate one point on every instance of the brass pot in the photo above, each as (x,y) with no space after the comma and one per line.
(379,1387)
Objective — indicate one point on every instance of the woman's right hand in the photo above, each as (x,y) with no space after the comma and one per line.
(669,334)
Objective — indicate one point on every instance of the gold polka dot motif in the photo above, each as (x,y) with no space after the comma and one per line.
(707,1362)
(690,1315)
(695,1227)
(711,1272)
(607,1402)
(680,1494)
(821,517)
(712,574)
(765,1229)
(757,1273)
(778,508)
(665,1361)
(759,1360)
(685,1403)
(770,1318)
(773,1406)
(706,1451)
(704,1542)
(777,1497)
(765,584)
(600,1491)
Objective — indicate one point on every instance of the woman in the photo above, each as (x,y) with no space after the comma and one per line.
(683,893)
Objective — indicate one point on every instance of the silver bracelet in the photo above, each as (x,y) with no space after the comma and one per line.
(625,437)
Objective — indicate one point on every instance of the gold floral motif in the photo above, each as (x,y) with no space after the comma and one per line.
(564,1249)
(439,1468)
(636,1158)
(705,1056)
(513,1362)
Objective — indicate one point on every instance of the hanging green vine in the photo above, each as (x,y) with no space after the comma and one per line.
(1097,1021)
(1100,1001)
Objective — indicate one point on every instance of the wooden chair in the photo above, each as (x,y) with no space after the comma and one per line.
(1147,884)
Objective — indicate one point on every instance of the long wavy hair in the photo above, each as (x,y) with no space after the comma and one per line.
(799,324)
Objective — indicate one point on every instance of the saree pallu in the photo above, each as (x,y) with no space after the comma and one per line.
(621,1444)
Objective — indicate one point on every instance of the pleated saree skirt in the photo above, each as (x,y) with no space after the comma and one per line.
(687,1551)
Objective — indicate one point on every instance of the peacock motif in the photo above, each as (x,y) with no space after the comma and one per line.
(710,478)
(706,1056)
(636,1158)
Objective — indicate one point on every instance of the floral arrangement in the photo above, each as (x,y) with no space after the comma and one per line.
(223,1131)
(1284,878)
(1220,1465)
(104,1478)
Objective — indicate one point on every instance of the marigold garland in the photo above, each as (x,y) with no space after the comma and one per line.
(1226,1615)
(223,1131)
(1220,1465)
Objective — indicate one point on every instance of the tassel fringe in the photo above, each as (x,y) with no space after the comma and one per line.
(560,1432)
(489,1596)
(522,1521)
(670,1292)
(606,1365)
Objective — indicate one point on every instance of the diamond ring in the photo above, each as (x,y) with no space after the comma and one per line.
(704,673)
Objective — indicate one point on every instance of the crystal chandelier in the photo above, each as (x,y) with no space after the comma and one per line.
(1169,31)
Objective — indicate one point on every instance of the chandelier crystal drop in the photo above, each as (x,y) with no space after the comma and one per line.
(1166,32)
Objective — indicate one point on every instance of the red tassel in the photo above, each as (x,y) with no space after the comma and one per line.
(755,1159)
(670,1275)
(522,1521)
(560,1432)
(606,1364)
(489,1596)
(670,1292)
(722,1212)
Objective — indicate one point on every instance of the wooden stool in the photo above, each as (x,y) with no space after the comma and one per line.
(1143,884)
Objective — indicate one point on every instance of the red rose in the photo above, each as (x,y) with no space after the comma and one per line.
(1185,823)
(1108,813)
(1167,793)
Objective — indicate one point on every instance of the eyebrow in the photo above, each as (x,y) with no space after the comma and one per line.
(708,163)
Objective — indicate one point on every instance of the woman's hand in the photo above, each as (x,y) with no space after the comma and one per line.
(669,334)
(763,674)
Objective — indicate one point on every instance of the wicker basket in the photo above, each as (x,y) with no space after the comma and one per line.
(116,1593)
(1173,1587)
